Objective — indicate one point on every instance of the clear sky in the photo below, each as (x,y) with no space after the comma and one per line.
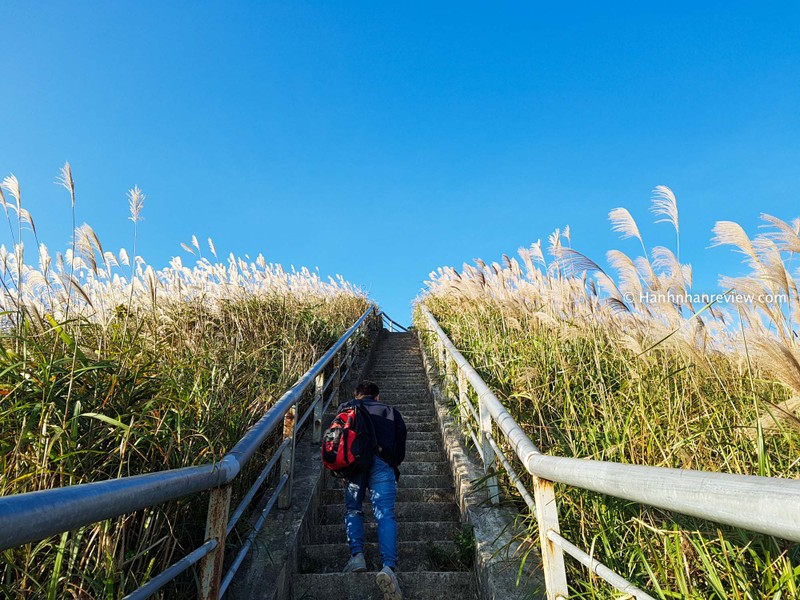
(381,140)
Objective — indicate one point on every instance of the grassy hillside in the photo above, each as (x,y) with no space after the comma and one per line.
(632,368)
(109,368)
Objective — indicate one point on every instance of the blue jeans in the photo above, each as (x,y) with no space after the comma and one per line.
(383,491)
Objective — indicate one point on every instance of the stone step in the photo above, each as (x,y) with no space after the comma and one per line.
(403,402)
(409,375)
(426,481)
(416,434)
(417,531)
(405,374)
(420,416)
(423,457)
(411,556)
(431,426)
(403,399)
(361,586)
(396,387)
(423,445)
(418,411)
(404,494)
(408,511)
(424,468)
(406,481)
(384,358)
(413,420)
(408,404)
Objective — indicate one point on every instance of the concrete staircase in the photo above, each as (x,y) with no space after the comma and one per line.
(427,516)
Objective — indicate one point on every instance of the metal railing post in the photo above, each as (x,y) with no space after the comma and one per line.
(351,355)
(489,459)
(448,369)
(442,356)
(319,401)
(337,379)
(287,457)
(555,576)
(219,503)
(463,398)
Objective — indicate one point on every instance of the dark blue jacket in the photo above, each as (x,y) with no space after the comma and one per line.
(390,429)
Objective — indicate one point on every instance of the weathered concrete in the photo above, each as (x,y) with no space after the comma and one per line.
(406,530)
(404,494)
(329,558)
(404,511)
(499,551)
(361,586)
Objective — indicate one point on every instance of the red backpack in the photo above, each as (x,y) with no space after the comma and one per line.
(348,446)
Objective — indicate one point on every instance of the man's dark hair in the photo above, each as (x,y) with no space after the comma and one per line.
(368,388)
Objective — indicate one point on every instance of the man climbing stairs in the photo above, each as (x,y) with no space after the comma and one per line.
(427,516)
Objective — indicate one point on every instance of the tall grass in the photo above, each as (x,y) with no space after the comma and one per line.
(634,369)
(109,367)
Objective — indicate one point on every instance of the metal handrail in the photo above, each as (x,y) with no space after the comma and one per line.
(392,323)
(33,516)
(762,504)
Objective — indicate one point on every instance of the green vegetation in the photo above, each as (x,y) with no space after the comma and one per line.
(110,368)
(632,370)
(459,559)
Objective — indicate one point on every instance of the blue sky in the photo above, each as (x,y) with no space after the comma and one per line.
(382,140)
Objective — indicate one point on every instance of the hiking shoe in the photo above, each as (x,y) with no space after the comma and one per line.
(387,582)
(356,564)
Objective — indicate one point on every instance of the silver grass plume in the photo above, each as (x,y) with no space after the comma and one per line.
(11,185)
(536,252)
(86,243)
(66,181)
(665,205)
(622,222)
(787,235)
(25,217)
(731,233)
(136,203)
(580,262)
(628,274)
